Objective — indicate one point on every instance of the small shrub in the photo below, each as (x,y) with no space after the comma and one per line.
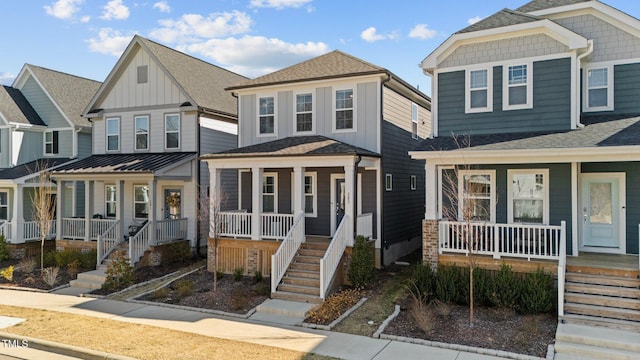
(334,306)
(119,273)
(238,274)
(49,259)
(27,265)
(537,293)
(50,275)
(362,270)
(257,277)
(7,273)
(65,257)
(161,293)
(185,287)
(180,252)
(263,289)
(423,281)
(447,283)
(72,268)
(88,259)
(423,314)
(483,287)
(507,287)
(219,274)
(4,249)
(441,308)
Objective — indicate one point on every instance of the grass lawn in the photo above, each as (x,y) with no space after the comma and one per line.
(138,341)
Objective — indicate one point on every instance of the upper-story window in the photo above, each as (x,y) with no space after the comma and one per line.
(344,110)
(599,89)
(479,89)
(113,134)
(304,112)
(414,121)
(142,74)
(267,115)
(172,131)
(50,142)
(517,93)
(142,132)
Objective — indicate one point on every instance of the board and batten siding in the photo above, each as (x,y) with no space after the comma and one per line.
(160,89)
(84,145)
(5,149)
(551,103)
(43,105)
(397,110)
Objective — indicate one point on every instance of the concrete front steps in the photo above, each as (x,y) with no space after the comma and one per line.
(301,281)
(575,341)
(92,280)
(282,311)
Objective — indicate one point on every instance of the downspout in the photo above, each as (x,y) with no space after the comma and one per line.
(579,60)
(199,191)
(355,196)
(381,175)
(76,140)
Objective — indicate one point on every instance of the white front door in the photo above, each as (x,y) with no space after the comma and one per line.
(603,212)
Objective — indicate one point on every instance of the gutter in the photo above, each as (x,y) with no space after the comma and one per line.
(579,60)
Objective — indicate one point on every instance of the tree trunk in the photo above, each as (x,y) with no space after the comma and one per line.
(42,255)
(471,295)
(215,265)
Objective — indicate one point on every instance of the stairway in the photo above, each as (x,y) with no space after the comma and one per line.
(301,281)
(92,280)
(575,342)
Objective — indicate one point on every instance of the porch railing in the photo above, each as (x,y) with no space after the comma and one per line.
(329,263)
(234,224)
(562,266)
(5,231)
(275,226)
(282,258)
(169,230)
(365,225)
(138,244)
(73,228)
(99,226)
(31,230)
(511,240)
(108,241)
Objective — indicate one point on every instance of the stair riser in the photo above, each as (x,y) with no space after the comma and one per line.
(599,342)
(311,252)
(303,266)
(296,297)
(85,284)
(299,290)
(603,280)
(306,259)
(314,246)
(301,281)
(92,278)
(602,290)
(302,274)
(603,272)
(606,301)
(590,352)
(602,312)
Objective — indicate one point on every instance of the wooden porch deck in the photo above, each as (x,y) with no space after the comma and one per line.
(598,263)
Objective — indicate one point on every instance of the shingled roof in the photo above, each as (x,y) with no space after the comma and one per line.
(505,17)
(71,93)
(16,109)
(536,5)
(294,146)
(124,163)
(335,64)
(31,168)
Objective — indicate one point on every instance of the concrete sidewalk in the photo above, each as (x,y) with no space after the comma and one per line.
(339,345)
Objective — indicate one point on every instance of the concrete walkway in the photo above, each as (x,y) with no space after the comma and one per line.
(338,345)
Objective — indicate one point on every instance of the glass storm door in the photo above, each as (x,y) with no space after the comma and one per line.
(602,212)
(337,200)
(172,204)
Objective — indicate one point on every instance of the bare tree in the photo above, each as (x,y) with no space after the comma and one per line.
(43,204)
(210,212)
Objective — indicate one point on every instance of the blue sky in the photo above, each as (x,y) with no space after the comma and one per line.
(250,37)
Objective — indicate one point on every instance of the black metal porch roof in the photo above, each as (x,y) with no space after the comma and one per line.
(124,163)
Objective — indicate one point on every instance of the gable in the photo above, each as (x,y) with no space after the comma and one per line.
(43,105)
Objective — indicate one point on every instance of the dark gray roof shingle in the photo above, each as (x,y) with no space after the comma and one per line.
(124,163)
(15,107)
(536,5)
(294,146)
(32,167)
(505,17)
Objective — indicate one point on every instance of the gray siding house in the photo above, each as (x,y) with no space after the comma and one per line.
(322,155)
(40,128)
(535,125)
(156,112)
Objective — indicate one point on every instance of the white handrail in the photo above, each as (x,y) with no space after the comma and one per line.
(169,230)
(108,241)
(99,226)
(329,263)
(562,265)
(138,244)
(282,258)
(5,231)
(275,226)
(234,224)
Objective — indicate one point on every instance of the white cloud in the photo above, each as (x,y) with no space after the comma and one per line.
(256,55)
(279,4)
(192,27)
(115,9)
(63,9)
(163,6)
(474,20)
(6,78)
(371,35)
(422,31)
(85,19)
(109,41)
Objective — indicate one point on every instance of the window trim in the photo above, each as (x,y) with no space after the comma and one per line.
(140,202)
(55,142)
(334,109)
(414,121)
(275,192)
(314,194)
(609,87)
(506,86)
(6,206)
(413,182)
(489,88)
(388,182)
(117,119)
(545,196)
(275,115)
(106,201)
(135,132)
(295,112)
(179,132)
(492,193)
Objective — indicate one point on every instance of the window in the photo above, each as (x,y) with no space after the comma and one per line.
(266,115)
(304,112)
(310,189)
(479,90)
(517,92)
(269,189)
(4,205)
(599,89)
(413,181)
(172,131)
(141,201)
(143,74)
(142,132)
(110,201)
(113,134)
(388,182)
(476,195)
(344,111)
(414,121)
(528,196)
(50,142)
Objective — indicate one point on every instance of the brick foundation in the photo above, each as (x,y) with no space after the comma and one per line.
(29,249)
(253,261)
(430,243)
(77,245)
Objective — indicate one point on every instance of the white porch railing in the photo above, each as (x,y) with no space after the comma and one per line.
(275,226)
(5,231)
(511,240)
(108,241)
(169,230)
(99,226)
(282,258)
(234,224)
(31,230)
(138,244)
(365,225)
(329,263)
(73,228)
(562,266)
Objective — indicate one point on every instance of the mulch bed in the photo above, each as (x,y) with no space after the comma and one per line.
(33,280)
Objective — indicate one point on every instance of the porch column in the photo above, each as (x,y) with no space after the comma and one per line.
(575,170)
(59,208)
(298,190)
(74,205)
(256,202)
(120,208)
(214,198)
(88,208)
(349,208)
(153,184)
(17,219)
(431,191)
(430,223)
